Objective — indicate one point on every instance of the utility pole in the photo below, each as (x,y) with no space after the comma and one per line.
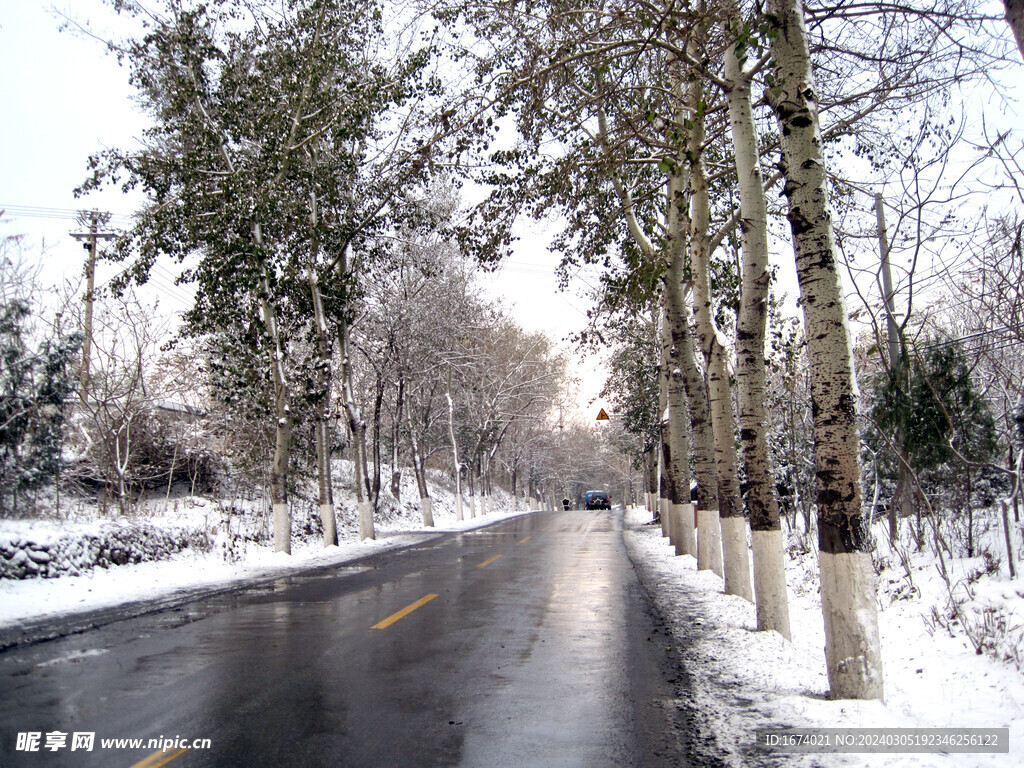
(94,220)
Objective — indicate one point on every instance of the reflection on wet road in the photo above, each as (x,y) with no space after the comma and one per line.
(522,644)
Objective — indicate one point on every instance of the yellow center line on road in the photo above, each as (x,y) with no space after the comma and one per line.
(523,541)
(160,758)
(403,613)
(485,563)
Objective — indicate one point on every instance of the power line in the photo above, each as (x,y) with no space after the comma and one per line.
(974,336)
(44,212)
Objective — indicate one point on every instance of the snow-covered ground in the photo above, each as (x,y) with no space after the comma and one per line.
(746,680)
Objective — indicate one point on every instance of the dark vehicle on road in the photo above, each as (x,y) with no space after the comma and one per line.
(597,500)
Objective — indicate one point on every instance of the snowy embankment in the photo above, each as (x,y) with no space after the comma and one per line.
(192,544)
(745,680)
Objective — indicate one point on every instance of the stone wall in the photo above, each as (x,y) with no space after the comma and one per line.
(72,555)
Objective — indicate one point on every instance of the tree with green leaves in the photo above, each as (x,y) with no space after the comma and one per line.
(270,166)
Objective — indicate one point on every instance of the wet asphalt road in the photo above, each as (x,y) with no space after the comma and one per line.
(538,649)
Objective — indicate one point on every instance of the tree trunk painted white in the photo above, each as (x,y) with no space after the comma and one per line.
(472,505)
(709,541)
(770,582)
(366,527)
(734,539)
(851,625)
(687,541)
(427,510)
(665,510)
(848,589)
(730,503)
(282,528)
(769,566)
(459,514)
(328,519)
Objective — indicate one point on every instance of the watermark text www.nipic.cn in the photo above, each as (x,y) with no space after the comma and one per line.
(56,741)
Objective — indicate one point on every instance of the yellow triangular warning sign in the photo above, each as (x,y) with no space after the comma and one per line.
(602,416)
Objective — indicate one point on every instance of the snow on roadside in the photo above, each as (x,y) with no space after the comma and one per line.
(39,599)
(745,680)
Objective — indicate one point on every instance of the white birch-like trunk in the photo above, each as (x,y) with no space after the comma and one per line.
(848,589)
(730,504)
(709,540)
(769,566)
